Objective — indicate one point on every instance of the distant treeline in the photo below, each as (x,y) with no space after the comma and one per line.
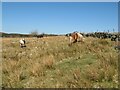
(95,34)
(23,35)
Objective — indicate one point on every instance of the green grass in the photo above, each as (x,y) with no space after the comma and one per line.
(51,63)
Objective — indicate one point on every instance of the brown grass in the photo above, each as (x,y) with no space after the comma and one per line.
(50,62)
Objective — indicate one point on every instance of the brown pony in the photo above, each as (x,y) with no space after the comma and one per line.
(76,37)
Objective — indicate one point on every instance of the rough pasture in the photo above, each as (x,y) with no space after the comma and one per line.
(49,62)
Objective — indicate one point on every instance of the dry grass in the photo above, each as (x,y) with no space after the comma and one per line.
(50,62)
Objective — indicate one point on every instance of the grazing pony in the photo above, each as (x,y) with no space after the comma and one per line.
(22,43)
(75,37)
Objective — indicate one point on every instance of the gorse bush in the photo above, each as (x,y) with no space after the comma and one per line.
(50,62)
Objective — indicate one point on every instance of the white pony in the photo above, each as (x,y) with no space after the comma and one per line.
(22,43)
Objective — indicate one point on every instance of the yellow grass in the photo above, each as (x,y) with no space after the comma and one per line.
(50,62)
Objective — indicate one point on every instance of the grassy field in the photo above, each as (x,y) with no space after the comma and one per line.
(50,62)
